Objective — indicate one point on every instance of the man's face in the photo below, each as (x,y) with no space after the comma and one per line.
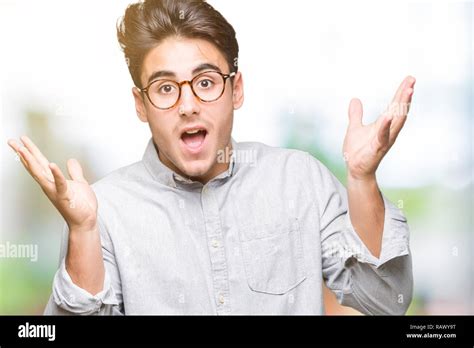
(190,155)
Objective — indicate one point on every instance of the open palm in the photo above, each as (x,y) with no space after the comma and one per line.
(366,145)
(74,199)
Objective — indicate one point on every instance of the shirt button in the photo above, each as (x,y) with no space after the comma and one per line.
(214,243)
(221,299)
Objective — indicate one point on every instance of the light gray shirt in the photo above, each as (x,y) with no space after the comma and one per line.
(260,238)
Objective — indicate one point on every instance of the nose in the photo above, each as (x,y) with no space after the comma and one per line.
(188,104)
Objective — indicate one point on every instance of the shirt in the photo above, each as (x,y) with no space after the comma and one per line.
(260,238)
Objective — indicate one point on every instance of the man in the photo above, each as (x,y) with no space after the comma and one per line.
(191,229)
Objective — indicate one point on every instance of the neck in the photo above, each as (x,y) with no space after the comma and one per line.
(220,165)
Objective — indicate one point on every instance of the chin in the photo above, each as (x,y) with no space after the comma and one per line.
(197,168)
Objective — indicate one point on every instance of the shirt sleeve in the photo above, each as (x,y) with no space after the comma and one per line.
(360,280)
(69,299)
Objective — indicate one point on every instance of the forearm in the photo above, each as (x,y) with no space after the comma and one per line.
(367,211)
(84,261)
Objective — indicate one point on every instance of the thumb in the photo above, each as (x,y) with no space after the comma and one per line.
(355,113)
(75,171)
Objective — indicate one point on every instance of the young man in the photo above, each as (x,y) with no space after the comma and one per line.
(190,229)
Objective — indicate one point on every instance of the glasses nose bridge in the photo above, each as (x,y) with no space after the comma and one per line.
(180,96)
(187,82)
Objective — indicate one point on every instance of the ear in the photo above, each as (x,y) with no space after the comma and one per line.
(238,91)
(140,104)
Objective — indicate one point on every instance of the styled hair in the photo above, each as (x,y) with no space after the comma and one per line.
(147,23)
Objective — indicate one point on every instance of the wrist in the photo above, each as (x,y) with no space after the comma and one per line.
(83,229)
(361,180)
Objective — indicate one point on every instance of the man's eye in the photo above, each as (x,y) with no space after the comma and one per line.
(205,83)
(166,89)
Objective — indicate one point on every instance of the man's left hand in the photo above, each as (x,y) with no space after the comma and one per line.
(366,145)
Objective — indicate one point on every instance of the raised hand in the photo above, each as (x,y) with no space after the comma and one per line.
(366,145)
(74,199)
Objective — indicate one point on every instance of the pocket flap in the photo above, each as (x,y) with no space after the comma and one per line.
(273,259)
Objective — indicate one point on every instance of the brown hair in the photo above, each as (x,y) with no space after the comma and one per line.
(147,23)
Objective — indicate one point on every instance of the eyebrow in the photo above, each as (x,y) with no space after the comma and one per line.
(166,73)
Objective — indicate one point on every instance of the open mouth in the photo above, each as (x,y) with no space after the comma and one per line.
(194,139)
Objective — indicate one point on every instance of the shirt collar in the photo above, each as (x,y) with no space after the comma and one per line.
(168,177)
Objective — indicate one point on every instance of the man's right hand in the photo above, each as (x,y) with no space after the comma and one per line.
(77,203)
(74,199)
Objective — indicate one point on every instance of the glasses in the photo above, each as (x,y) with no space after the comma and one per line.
(207,87)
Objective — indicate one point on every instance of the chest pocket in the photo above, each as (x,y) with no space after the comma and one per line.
(273,256)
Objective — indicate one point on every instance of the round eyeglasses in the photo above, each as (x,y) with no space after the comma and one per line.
(207,87)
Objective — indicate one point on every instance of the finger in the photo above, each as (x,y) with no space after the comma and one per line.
(355,113)
(406,100)
(34,168)
(400,106)
(400,109)
(16,147)
(35,151)
(75,171)
(30,163)
(40,158)
(399,91)
(411,80)
(383,134)
(399,103)
(399,121)
(59,179)
(407,82)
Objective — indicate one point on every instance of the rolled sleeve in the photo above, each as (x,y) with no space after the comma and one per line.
(74,299)
(359,279)
(395,240)
(375,286)
(69,299)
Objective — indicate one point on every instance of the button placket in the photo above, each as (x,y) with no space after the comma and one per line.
(216,250)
